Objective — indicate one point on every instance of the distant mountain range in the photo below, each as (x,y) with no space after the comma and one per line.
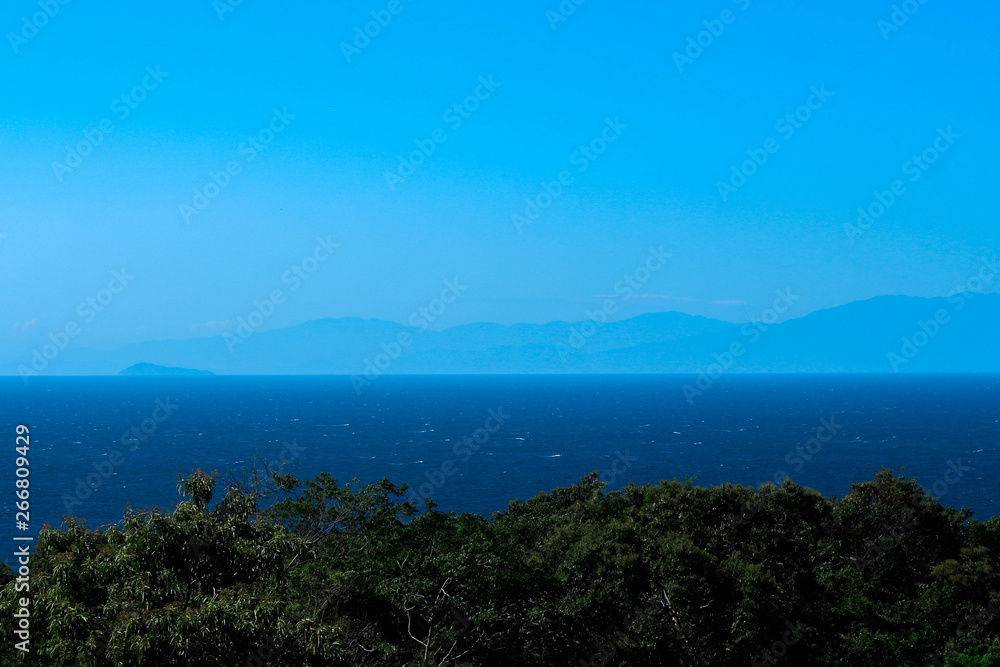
(881,335)
(153,369)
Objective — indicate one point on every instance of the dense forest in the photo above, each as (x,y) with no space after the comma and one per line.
(266,569)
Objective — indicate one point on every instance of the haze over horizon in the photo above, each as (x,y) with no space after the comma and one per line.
(262,152)
(416,318)
(953,334)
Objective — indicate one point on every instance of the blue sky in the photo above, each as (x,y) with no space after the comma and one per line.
(554,90)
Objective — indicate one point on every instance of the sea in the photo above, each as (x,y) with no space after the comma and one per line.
(474,443)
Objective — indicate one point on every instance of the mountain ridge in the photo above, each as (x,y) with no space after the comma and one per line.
(877,335)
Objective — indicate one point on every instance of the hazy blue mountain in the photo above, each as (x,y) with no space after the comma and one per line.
(153,369)
(860,337)
(885,334)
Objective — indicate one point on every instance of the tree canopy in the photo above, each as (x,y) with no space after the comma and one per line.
(273,570)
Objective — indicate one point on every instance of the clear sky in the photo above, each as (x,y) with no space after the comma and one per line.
(344,114)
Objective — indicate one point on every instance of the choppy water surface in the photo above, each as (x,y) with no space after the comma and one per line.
(474,443)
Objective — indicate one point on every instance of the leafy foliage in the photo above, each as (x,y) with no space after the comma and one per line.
(314,573)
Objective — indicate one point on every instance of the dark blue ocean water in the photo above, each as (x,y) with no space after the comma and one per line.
(556,429)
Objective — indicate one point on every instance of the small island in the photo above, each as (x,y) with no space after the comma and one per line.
(153,369)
